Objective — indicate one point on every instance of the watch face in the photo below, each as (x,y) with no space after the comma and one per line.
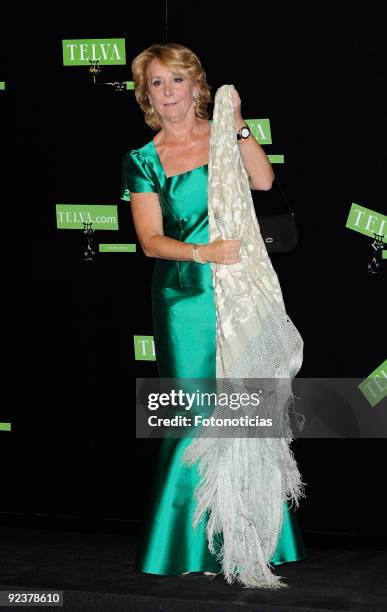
(245,132)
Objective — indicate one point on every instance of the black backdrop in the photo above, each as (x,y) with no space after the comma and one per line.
(320,78)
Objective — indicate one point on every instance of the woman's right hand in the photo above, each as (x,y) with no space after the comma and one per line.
(222,251)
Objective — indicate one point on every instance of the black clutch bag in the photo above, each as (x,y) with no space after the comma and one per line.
(279,232)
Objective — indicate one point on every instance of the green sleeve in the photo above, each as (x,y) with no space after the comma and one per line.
(136,175)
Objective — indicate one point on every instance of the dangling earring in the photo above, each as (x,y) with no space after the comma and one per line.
(195,96)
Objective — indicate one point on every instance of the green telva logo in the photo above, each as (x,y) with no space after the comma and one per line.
(144,348)
(105,51)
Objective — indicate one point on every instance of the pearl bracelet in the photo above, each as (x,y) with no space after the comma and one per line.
(196,255)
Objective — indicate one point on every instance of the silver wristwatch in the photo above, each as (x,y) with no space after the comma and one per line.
(243,133)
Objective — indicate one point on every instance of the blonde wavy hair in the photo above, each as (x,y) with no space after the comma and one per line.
(182,59)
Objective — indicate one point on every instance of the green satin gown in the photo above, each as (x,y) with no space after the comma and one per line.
(184,329)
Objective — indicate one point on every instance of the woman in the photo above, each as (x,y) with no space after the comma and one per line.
(166,181)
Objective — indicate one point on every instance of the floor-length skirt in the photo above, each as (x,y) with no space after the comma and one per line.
(184,324)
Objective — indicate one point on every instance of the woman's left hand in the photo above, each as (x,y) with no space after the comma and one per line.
(236,102)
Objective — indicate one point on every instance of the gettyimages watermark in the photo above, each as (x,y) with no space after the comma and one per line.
(257,407)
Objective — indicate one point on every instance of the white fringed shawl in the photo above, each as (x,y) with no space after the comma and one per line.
(245,481)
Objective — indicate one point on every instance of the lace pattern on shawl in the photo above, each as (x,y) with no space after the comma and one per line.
(245,481)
